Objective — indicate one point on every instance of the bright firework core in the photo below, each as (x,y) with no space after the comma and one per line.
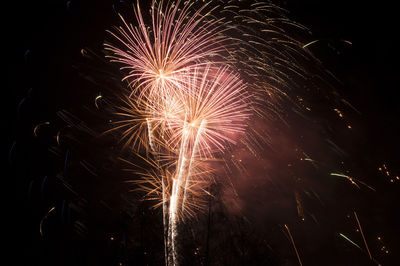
(161,75)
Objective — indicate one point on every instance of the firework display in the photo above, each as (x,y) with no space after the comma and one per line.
(204,133)
(190,105)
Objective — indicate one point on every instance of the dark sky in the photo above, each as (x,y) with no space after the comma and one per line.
(43,61)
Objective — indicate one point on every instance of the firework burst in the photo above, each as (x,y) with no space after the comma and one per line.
(182,107)
(185,107)
(183,131)
(230,126)
(158,57)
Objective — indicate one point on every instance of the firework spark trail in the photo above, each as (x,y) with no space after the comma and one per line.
(350,241)
(198,135)
(362,234)
(44,218)
(183,172)
(294,245)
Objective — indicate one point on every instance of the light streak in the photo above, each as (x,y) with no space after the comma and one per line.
(347,177)
(353,180)
(362,234)
(349,240)
(300,209)
(44,218)
(294,245)
(348,42)
(35,130)
(308,44)
(98,97)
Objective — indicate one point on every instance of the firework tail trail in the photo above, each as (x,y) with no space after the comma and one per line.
(174,205)
(180,186)
(187,180)
(44,218)
(362,234)
(350,241)
(164,193)
(294,245)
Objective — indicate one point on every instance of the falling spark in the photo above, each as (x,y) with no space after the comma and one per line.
(44,218)
(386,172)
(294,245)
(308,44)
(300,210)
(98,97)
(348,42)
(362,234)
(83,52)
(348,239)
(351,179)
(35,130)
(338,112)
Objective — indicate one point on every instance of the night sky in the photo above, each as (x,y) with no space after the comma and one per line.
(87,213)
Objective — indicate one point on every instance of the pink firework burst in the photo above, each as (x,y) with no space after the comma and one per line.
(157,57)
